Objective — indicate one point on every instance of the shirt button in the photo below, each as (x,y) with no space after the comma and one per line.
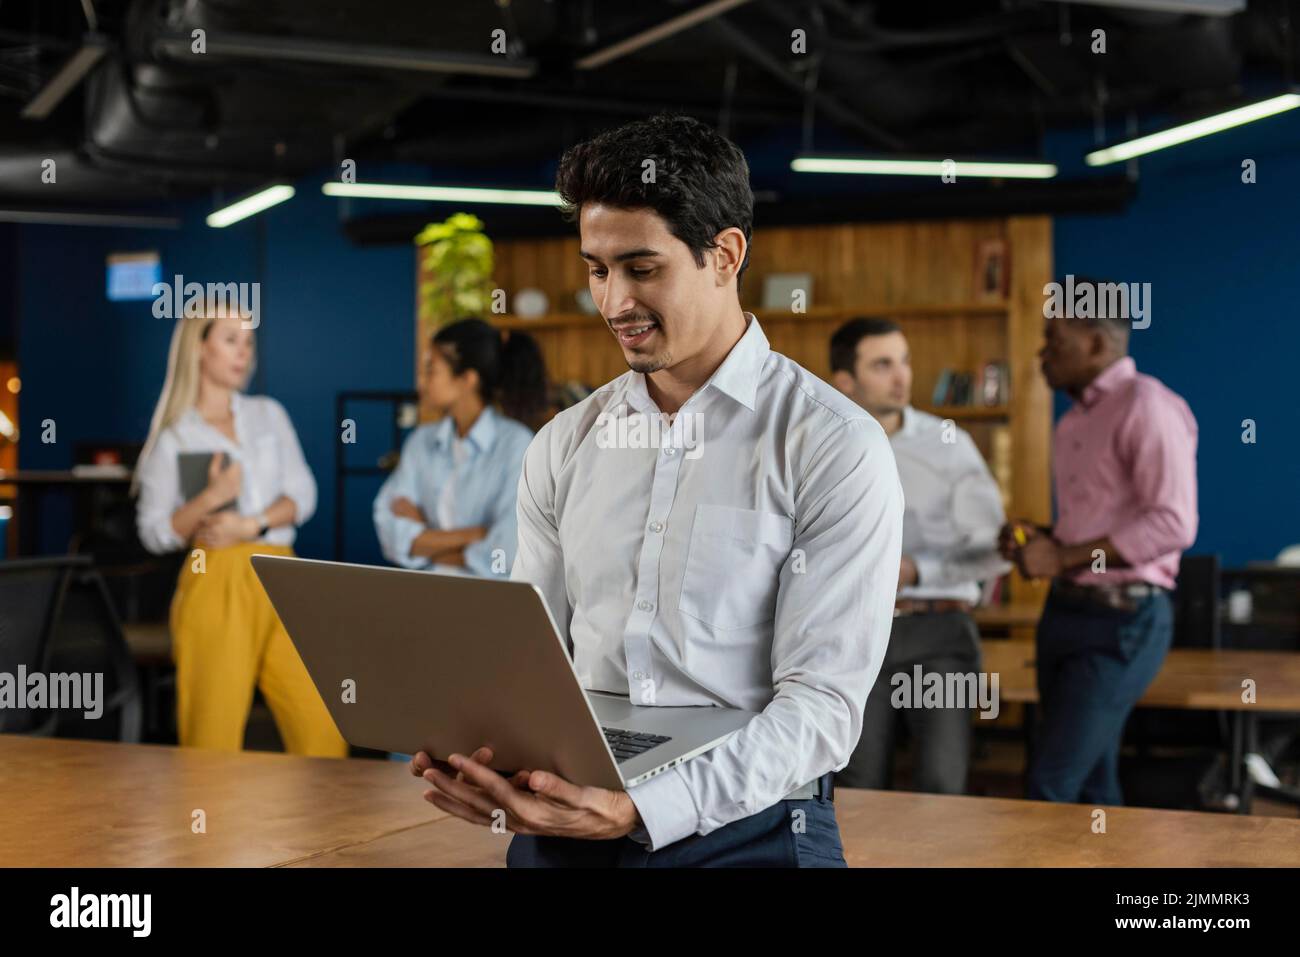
(656,526)
(638,675)
(670,451)
(644,605)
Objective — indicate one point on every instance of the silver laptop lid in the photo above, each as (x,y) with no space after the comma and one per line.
(409,661)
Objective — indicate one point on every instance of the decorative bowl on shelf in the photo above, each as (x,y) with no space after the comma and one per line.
(531,303)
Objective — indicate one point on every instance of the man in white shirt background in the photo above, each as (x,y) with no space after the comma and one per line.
(749,560)
(950,532)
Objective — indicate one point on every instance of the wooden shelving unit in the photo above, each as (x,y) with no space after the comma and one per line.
(920,274)
(569,320)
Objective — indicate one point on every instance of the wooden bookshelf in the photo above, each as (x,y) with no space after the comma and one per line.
(920,274)
(568,320)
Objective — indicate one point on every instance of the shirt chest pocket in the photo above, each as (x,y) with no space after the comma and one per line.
(733,565)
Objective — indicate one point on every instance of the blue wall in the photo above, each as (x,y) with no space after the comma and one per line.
(334,317)
(1219,255)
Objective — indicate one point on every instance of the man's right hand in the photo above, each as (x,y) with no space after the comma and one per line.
(421,762)
(1009,544)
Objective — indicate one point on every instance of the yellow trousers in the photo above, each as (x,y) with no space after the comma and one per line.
(226,640)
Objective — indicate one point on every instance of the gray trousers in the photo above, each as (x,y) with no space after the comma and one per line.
(941,737)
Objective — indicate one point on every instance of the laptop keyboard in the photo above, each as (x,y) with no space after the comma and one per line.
(628,744)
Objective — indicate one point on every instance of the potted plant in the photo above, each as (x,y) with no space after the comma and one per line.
(453,272)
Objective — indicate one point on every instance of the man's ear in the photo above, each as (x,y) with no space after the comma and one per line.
(844,382)
(728,254)
(1099,344)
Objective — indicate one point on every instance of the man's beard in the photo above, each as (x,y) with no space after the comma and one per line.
(647,364)
(888,407)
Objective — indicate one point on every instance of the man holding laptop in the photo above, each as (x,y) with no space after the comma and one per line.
(717,527)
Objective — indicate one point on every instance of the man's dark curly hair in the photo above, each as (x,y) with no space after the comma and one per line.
(701,180)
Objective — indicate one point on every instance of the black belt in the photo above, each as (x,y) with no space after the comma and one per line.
(1120,597)
(822,787)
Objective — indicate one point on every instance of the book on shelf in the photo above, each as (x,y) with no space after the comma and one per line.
(988,386)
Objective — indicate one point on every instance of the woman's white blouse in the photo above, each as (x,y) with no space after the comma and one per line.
(267,449)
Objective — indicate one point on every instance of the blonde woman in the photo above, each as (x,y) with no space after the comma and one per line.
(226,637)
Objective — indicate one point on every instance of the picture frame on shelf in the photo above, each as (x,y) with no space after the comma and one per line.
(992,270)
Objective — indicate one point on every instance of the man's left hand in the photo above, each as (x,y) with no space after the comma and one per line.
(534,802)
(907,574)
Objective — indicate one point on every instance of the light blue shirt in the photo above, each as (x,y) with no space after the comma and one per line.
(746,555)
(475,485)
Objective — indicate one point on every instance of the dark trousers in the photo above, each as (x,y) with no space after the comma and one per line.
(947,642)
(788,834)
(1093,665)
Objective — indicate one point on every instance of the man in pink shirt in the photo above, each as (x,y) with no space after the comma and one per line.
(1124,472)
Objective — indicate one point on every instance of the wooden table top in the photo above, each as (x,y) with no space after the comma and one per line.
(92,804)
(900,829)
(102,804)
(62,477)
(1190,678)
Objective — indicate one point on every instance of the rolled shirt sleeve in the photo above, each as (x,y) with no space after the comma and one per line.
(297,481)
(159,496)
(976,514)
(834,613)
(1159,441)
(503,530)
(396,534)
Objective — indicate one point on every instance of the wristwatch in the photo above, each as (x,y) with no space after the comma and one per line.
(263,525)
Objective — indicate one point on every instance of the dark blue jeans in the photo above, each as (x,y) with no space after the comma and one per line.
(1094,664)
(777,837)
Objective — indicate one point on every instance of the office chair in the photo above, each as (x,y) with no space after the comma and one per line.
(88,638)
(79,633)
(31,595)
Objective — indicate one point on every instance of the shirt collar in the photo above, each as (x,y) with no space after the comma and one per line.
(910,423)
(739,373)
(480,434)
(1109,379)
(737,376)
(236,400)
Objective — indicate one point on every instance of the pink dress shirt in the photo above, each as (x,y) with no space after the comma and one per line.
(1125,468)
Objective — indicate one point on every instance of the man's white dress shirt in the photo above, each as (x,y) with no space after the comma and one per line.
(954,509)
(747,557)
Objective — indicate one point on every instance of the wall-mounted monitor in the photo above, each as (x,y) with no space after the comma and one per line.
(132,275)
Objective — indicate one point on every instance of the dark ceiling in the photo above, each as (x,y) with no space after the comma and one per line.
(281,89)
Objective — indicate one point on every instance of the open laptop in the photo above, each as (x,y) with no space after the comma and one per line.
(445,664)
